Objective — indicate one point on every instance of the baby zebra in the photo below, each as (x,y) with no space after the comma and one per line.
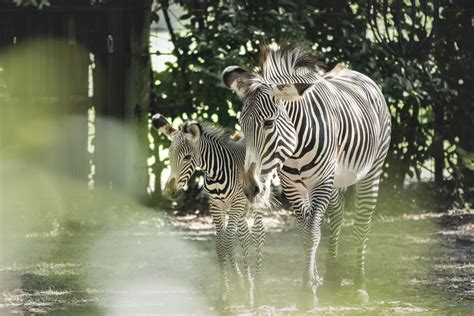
(202,145)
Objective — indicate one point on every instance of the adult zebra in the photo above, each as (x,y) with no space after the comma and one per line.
(322,134)
(201,145)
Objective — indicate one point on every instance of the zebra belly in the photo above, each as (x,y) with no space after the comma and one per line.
(345,176)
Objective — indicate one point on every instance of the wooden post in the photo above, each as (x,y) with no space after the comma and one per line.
(137,95)
(108,89)
(122,102)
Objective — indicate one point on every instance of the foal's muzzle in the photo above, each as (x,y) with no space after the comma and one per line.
(171,192)
(251,192)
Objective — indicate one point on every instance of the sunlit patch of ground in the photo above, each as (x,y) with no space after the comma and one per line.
(154,263)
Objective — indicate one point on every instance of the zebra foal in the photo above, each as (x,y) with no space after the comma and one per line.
(202,145)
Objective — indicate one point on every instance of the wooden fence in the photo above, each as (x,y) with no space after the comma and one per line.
(78,55)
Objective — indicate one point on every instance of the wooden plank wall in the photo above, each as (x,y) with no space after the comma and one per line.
(54,80)
(47,80)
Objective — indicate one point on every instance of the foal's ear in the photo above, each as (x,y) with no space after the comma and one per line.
(160,123)
(236,78)
(192,130)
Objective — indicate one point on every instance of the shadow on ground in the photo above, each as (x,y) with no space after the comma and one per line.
(150,263)
(68,250)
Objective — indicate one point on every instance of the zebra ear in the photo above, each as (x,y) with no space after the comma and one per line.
(160,123)
(291,92)
(236,78)
(192,130)
(335,71)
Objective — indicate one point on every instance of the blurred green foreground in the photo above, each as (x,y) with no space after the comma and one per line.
(65,249)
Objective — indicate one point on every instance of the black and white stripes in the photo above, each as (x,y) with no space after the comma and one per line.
(321,133)
(204,146)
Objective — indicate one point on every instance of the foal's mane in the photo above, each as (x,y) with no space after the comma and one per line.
(215,132)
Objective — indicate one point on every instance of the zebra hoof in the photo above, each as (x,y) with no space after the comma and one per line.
(361,296)
(259,299)
(220,304)
(241,293)
(327,290)
(332,283)
(250,302)
(307,301)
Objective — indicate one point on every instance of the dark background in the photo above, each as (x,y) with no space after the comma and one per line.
(430,164)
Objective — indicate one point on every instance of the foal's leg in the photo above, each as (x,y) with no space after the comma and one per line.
(258,234)
(245,239)
(218,218)
(235,214)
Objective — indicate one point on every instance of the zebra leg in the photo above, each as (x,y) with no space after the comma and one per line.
(236,212)
(335,215)
(230,249)
(245,239)
(366,198)
(309,209)
(311,238)
(297,195)
(307,299)
(258,234)
(218,217)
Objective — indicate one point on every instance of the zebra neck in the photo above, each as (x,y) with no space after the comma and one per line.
(320,101)
(215,156)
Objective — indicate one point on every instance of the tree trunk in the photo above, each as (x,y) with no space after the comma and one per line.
(438,152)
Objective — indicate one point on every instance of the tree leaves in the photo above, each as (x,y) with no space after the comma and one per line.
(40,4)
(413,88)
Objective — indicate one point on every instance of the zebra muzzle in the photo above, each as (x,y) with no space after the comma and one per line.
(251,186)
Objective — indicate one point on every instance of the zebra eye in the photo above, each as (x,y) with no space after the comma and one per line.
(268,123)
(187,158)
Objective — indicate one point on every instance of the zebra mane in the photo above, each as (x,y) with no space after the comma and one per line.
(287,59)
(215,132)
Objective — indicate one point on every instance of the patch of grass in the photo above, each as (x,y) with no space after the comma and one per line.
(415,264)
(53,280)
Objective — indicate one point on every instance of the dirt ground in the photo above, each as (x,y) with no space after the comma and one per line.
(152,264)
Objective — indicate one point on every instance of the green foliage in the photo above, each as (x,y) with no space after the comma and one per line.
(428,105)
(40,4)
(216,36)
